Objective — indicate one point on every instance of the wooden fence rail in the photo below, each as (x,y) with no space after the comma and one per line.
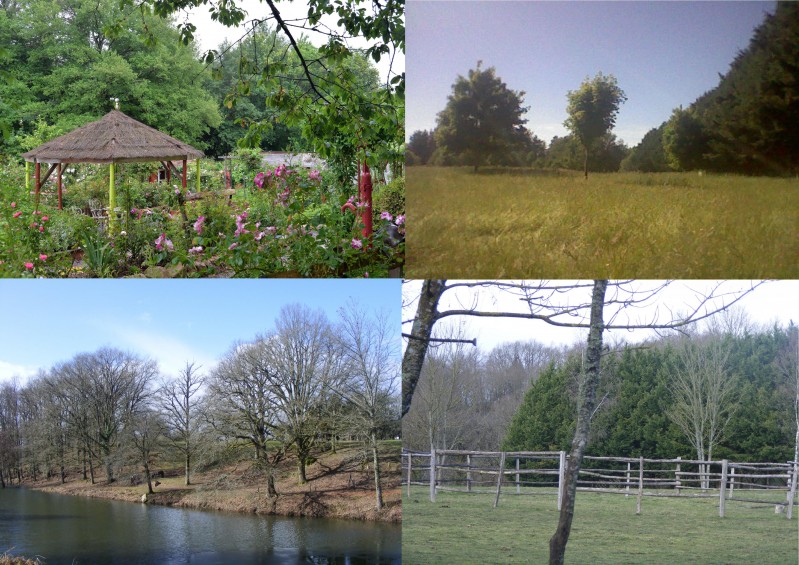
(539,472)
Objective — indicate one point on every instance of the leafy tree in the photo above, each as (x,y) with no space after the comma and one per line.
(684,140)
(649,155)
(593,109)
(422,143)
(482,122)
(67,68)
(606,153)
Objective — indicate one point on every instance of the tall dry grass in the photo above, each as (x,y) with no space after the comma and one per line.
(615,225)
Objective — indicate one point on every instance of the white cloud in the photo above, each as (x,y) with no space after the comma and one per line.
(10,370)
(171,354)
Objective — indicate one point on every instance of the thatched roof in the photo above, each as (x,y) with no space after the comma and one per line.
(114,138)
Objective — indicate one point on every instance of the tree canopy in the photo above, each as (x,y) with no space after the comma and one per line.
(482,122)
(593,109)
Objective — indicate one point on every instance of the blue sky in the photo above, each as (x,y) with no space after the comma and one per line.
(663,53)
(171,321)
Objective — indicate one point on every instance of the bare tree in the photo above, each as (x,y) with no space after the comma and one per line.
(371,350)
(545,302)
(301,360)
(703,394)
(101,391)
(241,407)
(145,433)
(180,402)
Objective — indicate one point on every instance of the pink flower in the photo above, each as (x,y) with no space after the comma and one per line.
(272,230)
(13,204)
(45,218)
(197,249)
(259,180)
(314,175)
(240,225)
(233,246)
(163,241)
(17,214)
(41,229)
(42,257)
(366,274)
(29,266)
(356,243)
(400,219)
(177,191)
(198,225)
(386,216)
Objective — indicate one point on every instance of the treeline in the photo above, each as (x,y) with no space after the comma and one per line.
(62,61)
(708,396)
(465,399)
(725,393)
(747,124)
(298,388)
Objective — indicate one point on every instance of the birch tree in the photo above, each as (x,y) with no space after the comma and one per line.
(703,393)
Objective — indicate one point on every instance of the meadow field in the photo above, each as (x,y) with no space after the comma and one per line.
(551,224)
(464,528)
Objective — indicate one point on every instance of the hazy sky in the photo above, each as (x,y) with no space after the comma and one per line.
(663,53)
(774,301)
(171,321)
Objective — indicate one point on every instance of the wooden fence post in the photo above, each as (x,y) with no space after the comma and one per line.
(561,474)
(722,488)
(499,476)
(677,475)
(410,456)
(732,482)
(640,484)
(468,473)
(627,488)
(792,490)
(518,488)
(432,475)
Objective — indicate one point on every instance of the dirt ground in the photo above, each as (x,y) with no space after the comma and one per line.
(339,485)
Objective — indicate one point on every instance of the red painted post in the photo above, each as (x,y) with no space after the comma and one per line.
(365,190)
(183,180)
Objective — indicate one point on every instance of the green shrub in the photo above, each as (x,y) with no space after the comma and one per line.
(390,197)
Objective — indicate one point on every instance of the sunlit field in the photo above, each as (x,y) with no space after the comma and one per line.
(464,528)
(618,225)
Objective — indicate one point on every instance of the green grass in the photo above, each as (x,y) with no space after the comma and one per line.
(464,528)
(616,225)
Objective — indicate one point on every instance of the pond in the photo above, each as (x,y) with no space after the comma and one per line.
(70,529)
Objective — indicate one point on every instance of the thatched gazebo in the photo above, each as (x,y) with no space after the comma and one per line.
(115,138)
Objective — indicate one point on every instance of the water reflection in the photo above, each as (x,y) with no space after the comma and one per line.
(67,529)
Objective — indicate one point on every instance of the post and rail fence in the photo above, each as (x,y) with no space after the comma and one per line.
(543,473)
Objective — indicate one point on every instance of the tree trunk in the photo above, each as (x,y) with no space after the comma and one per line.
(270,484)
(149,480)
(301,469)
(91,468)
(188,467)
(586,162)
(586,402)
(378,487)
(413,359)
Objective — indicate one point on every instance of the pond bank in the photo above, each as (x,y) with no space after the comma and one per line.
(337,487)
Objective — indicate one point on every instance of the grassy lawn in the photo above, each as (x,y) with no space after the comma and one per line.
(463,528)
(617,225)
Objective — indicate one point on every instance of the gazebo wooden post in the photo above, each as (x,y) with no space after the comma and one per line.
(198,175)
(38,176)
(167,165)
(183,176)
(112,200)
(60,187)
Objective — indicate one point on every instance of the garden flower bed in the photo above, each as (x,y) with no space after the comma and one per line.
(287,223)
